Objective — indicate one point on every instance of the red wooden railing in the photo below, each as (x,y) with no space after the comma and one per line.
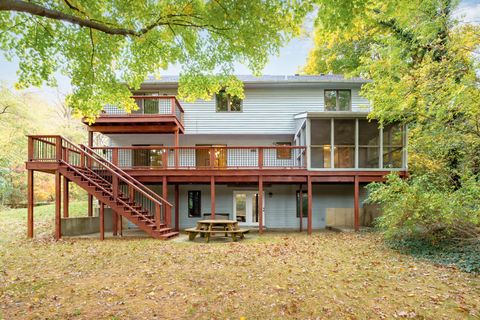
(149,106)
(61,150)
(205,157)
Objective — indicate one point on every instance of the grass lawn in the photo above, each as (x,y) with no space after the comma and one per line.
(327,275)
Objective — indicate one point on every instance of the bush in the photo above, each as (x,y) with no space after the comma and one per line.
(424,207)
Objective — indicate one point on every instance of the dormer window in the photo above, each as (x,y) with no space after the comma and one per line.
(227,103)
(338,100)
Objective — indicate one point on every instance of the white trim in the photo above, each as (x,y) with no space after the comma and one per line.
(380,156)
(356,143)
(332,144)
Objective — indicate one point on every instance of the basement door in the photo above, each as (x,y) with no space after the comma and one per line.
(245,208)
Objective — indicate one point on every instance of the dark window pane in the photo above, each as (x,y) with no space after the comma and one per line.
(225,102)
(304,204)
(222,101)
(344,99)
(330,100)
(194,204)
(235,104)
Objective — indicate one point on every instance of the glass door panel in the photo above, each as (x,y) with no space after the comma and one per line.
(241,207)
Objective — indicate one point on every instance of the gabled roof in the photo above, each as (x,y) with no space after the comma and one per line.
(275,79)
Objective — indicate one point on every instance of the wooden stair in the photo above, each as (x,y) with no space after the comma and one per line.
(101,189)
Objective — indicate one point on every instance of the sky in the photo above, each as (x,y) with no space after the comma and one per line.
(291,58)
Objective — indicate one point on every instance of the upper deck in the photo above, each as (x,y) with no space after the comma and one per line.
(155,114)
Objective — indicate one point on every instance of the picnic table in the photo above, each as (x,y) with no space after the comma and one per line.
(207,228)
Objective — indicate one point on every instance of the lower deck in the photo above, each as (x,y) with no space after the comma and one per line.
(281,204)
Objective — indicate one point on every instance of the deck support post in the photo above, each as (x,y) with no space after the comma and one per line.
(102,221)
(31,203)
(166,212)
(309,193)
(66,196)
(300,194)
(356,207)
(177,151)
(260,204)
(90,205)
(90,197)
(177,208)
(114,222)
(120,225)
(212,196)
(58,205)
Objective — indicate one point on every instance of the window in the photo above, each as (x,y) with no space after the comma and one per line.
(304,204)
(284,153)
(146,157)
(338,100)
(194,204)
(228,103)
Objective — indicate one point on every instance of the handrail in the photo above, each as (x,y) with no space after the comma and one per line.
(98,186)
(228,157)
(133,180)
(153,147)
(119,173)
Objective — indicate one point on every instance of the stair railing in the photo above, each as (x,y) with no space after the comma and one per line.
(59,149)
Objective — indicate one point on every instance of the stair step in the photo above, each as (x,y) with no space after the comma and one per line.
(169,235)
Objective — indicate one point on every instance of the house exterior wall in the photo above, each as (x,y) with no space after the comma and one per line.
(265,110)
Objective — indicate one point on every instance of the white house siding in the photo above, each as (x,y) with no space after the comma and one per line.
(267,110)
(280,206)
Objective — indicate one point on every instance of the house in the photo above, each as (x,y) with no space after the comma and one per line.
(295,153)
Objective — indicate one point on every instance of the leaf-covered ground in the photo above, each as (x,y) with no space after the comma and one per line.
(324,276)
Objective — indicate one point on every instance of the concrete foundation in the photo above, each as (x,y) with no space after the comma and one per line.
(77,226)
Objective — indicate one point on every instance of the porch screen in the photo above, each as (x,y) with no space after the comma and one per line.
(393,146)
(344,143)
(321,144)
(369,144)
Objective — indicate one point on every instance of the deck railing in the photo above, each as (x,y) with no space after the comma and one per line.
(205,157)
(150,106)
(57,149)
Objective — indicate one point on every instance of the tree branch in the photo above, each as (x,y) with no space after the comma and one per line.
(37,10)
(4,110)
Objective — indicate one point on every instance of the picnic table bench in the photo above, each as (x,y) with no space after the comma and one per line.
(207,228)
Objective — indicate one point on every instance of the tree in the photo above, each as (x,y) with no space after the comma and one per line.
(19,121)
(107,47)
(423,65)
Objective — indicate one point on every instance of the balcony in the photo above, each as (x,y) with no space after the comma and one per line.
(205,157)
(155,114)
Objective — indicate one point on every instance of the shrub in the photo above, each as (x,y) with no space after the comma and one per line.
(425,207)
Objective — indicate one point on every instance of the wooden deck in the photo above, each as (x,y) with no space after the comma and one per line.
(294,172)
